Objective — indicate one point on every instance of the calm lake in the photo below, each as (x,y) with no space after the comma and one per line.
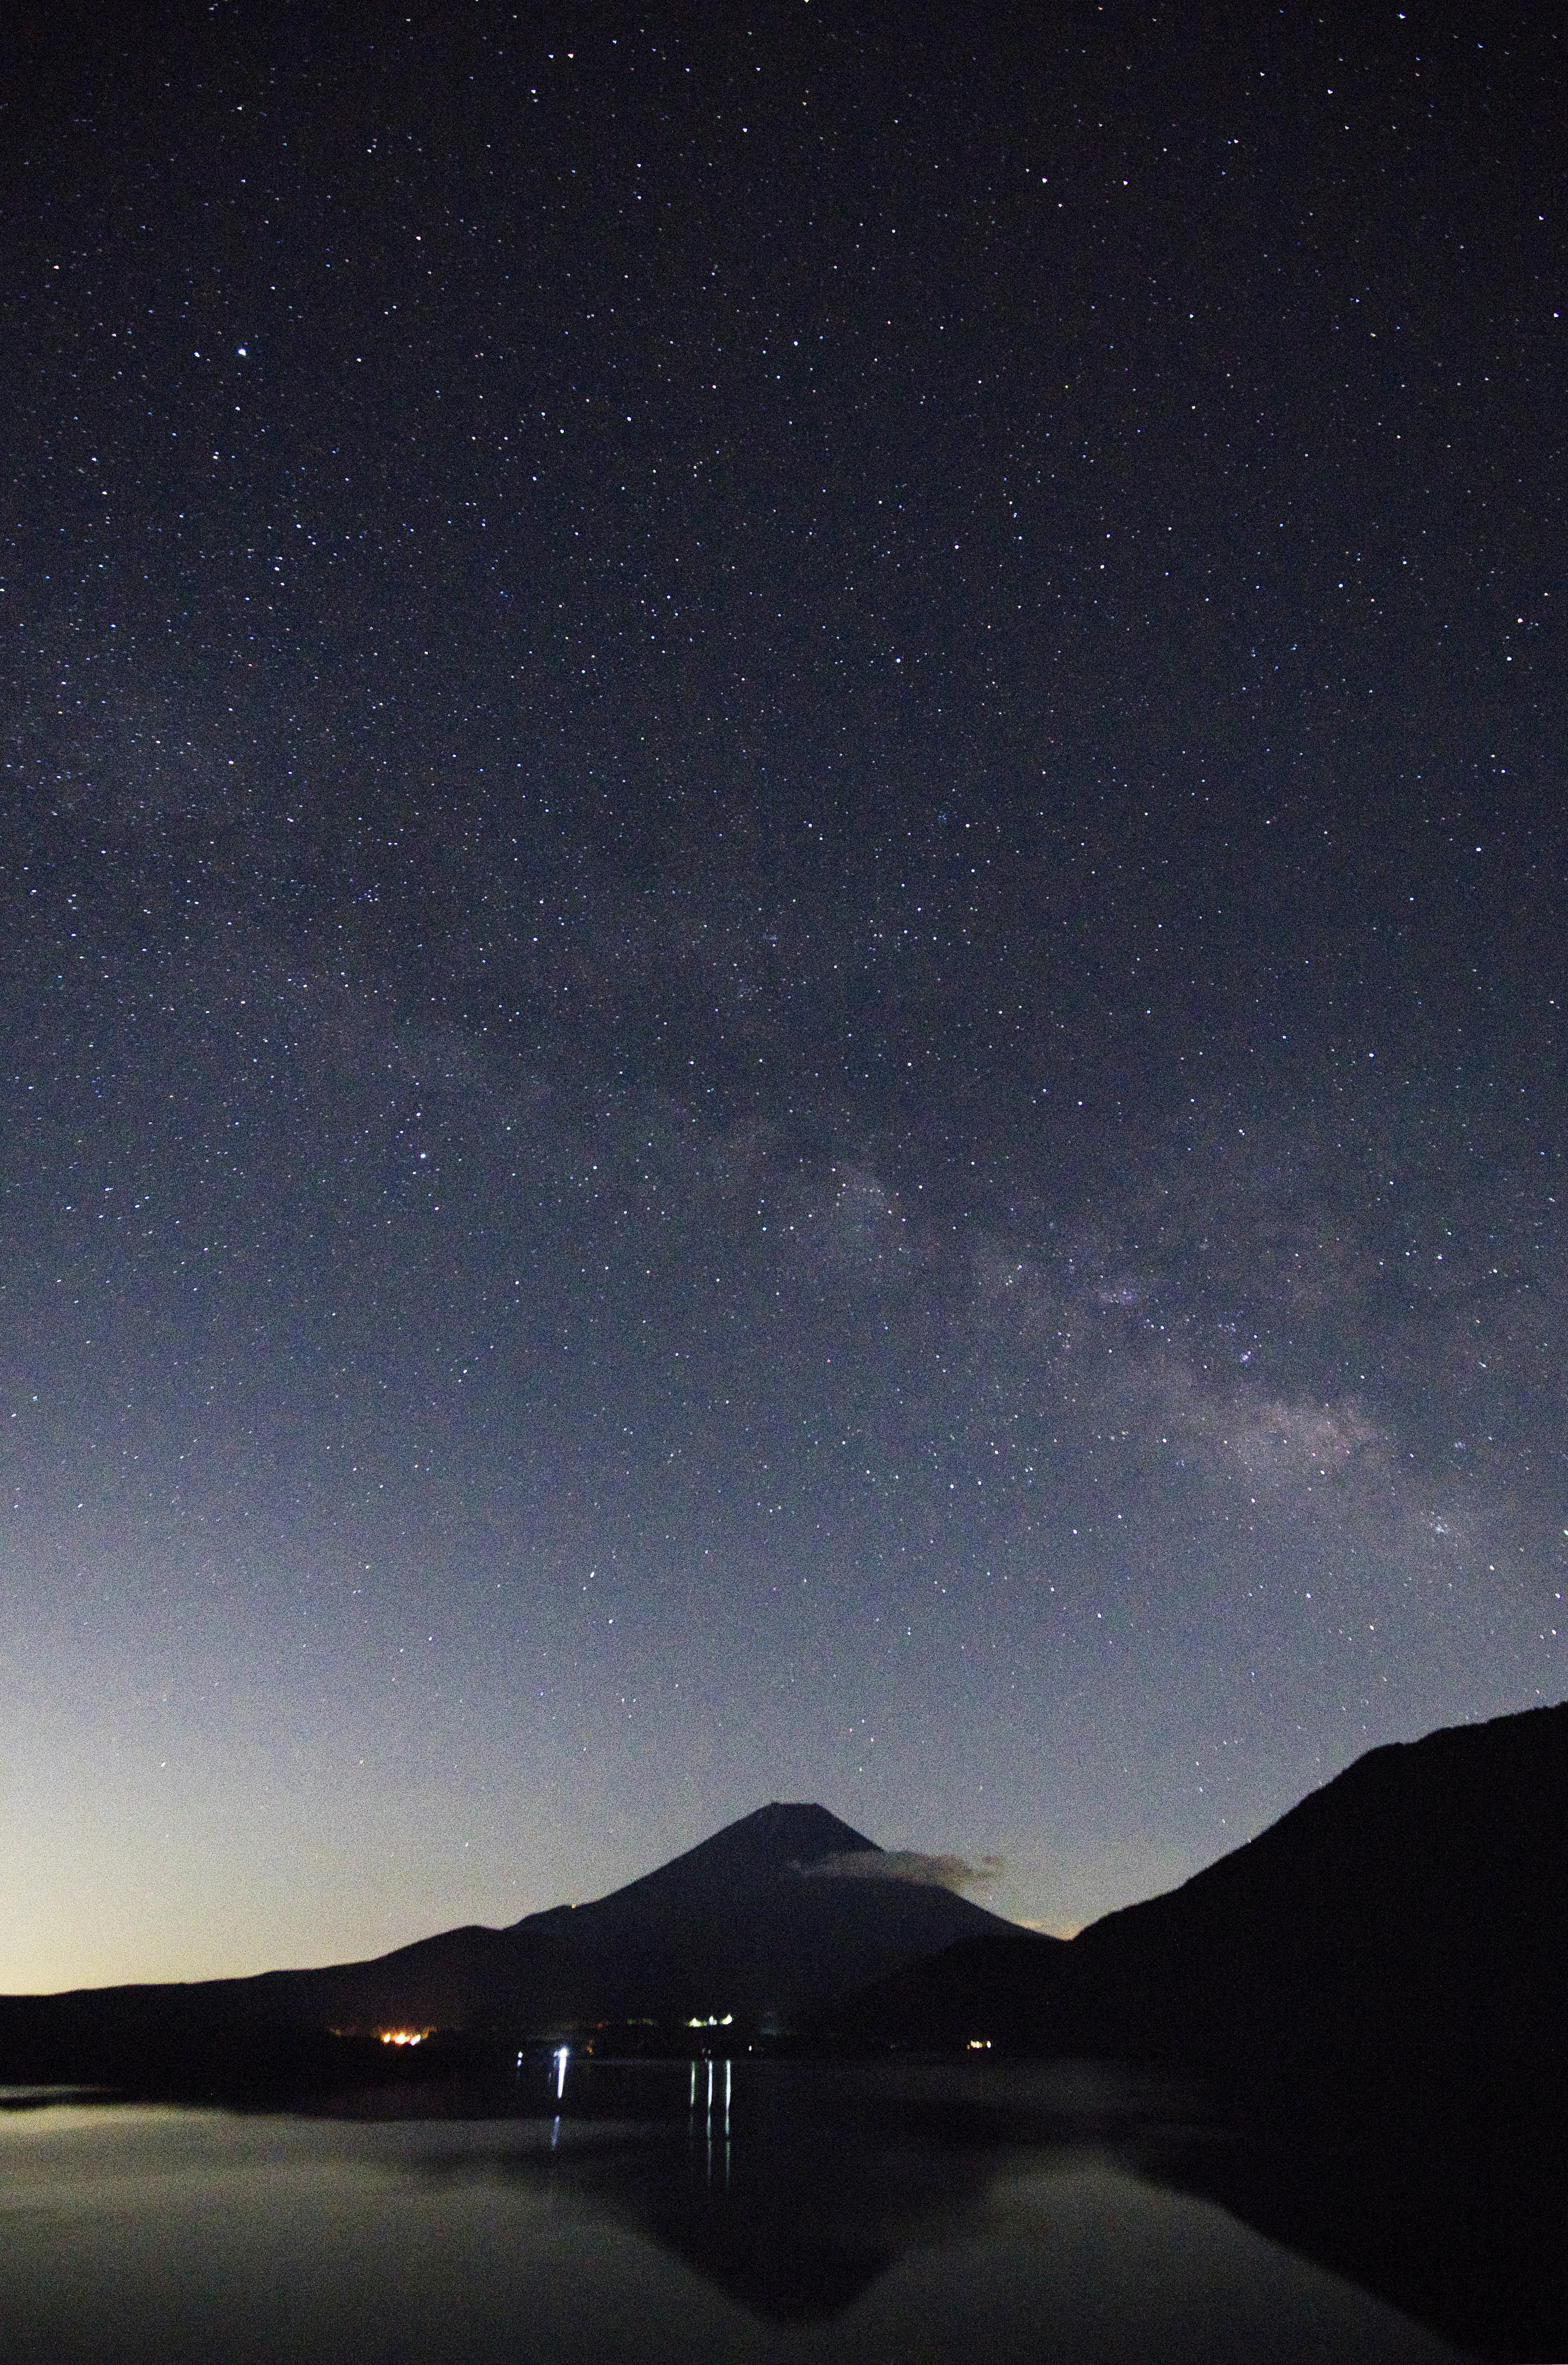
(653,2212)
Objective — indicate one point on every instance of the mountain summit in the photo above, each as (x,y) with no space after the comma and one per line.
(759,1920)
(754,1920)
(773,1844)
(769,1919)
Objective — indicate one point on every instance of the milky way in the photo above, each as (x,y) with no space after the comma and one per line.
(781,942)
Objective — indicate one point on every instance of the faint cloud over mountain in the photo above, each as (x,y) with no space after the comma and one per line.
(955,1872)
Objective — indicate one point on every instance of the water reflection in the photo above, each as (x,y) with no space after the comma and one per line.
(700,2211)
(712,2121)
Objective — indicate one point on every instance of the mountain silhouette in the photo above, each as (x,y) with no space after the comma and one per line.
(1414,1909)
(772,1917)
(1372,1994)
(754,1921)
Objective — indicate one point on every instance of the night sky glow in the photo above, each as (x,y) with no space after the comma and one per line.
(782,942)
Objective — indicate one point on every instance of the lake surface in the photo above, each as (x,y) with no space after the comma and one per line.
(654,2213)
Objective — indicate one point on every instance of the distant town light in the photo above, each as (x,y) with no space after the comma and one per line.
(404,2036)
(979,2045)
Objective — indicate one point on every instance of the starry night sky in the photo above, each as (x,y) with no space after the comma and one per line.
(781,946)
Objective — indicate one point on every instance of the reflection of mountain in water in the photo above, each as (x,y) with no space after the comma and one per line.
(794,2185)
(1376,1984)
(172,2237)
(947,2214)
(787,2241)
(793,2221)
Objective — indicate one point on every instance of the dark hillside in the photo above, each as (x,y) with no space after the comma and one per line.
(1413,1911)
(1375,1994)
(756,1923)
(1416,1910)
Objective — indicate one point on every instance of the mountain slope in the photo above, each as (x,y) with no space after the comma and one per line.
(748,1922)
(1414,1911)
(1419,1900)
(757,1921)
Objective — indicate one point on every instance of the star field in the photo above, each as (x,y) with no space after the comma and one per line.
(781,939)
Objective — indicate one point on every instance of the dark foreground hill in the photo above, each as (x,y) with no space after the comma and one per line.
(1414,1909)
(775,1916)
(1375,1994)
